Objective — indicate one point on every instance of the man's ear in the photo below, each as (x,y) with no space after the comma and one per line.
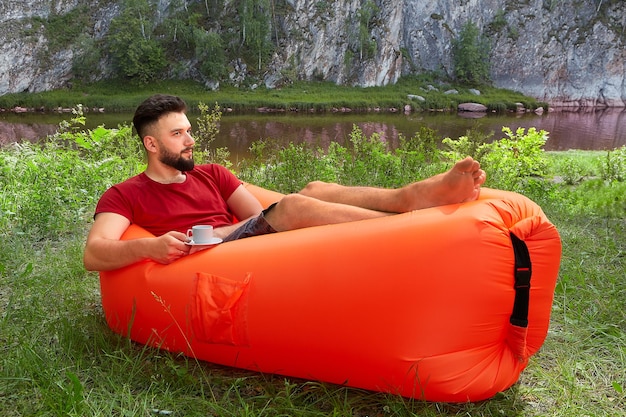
(149,142)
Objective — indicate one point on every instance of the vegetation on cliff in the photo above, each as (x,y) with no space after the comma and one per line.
(188,41)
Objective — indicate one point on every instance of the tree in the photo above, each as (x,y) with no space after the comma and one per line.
(210,53)
(176,31)
(471,56)
(87,56)
(135,53)
(367,46)
(255,19)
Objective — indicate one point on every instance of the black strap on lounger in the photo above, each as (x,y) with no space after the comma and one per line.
(523,272)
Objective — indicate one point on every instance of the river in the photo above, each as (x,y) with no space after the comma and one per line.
(587,130)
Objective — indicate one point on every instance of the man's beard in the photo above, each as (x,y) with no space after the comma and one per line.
(176,161)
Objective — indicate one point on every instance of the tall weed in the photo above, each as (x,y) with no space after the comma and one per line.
(287,168)
(613,165)
(369,161)
(208,125)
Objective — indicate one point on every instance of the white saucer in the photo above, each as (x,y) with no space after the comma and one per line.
(213,241)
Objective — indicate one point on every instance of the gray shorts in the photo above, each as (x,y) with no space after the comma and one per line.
(253,227)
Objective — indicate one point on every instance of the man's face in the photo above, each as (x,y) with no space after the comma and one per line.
(174,142)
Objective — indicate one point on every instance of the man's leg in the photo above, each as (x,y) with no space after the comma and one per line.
(322,203)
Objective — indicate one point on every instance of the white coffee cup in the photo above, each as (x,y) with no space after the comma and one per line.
(200,234)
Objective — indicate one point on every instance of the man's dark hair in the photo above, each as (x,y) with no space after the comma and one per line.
(153,108)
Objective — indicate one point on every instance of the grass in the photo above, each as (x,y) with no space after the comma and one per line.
(117,96)
(581,368)
(58,357)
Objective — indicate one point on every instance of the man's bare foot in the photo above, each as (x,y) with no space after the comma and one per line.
(460,184)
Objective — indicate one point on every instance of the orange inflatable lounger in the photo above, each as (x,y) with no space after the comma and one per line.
(442,304)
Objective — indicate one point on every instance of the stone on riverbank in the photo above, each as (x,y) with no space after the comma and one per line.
(472,107)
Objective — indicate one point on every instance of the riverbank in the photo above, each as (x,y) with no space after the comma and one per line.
(409,94)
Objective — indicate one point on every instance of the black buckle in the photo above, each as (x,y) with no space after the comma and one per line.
(522,275)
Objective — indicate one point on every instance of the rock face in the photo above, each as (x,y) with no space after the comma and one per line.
(322,47)
(566,52)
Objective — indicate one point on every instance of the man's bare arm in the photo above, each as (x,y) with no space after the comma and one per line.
(105,251)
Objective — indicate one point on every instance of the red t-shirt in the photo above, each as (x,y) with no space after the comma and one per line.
(160,208)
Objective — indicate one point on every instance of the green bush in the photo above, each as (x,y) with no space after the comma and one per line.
(87,56)
(285,168)
(511,162)
(63,29)
(62,188)
(210,54)
(64,177)
(136,54)
(516,162)
(369,161)
(207,128)
(471,56)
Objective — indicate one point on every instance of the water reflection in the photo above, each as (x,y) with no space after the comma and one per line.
(601,129)
(592,130)
(15,132)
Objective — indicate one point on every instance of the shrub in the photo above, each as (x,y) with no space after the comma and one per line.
(284,168)
(210,54)
(471,56)
(136,55)
(62,189)
(510,162)
(420,155)
(86,58)
(51,189)
(369,161)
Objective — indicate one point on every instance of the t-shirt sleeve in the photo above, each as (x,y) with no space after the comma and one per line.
(113,201)
(226,181)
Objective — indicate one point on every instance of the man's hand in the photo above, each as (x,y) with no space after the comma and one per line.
(170,247)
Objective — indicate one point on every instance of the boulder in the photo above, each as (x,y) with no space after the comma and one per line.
(472,107)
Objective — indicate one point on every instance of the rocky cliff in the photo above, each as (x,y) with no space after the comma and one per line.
(566,52)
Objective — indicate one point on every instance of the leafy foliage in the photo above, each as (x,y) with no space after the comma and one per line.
(87,57)
(210,54)
(206,131)
(366,15)
(63,183)
(471,56)
(137,55)
(255,29)
(512,162)
(286,168)
(62,29)
(613,166)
